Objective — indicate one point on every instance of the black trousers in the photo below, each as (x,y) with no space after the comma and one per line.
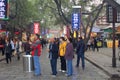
(8,57)
(96,47)
(2,49)
(63,63)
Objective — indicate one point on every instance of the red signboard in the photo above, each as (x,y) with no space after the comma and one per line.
(36,28)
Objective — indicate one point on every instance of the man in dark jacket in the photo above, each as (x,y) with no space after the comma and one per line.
(8,51)
(95,45)
(80,52)
(27,47)
(53,55)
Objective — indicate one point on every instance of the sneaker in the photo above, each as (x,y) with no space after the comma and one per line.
(54,76)
(67,75)
(63,71)
(60,70)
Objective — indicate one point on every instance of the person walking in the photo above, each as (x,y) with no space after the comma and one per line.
(95,44)
(13,46)
(8,51)
(18,49)
(2,43)
(80,52)
(69,55)
(36,52)
(53,55)
(89,44)
(62,49)
(27,48)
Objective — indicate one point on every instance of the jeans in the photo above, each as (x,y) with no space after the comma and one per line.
(37,65)
(63,63)
(80,56)
(69,68)
(53,63)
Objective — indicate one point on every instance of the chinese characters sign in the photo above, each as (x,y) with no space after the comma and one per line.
(36,28)
(75,21)
(112,15)
(4,9)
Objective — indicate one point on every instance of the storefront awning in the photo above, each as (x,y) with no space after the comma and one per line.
(95,29)
(108,30)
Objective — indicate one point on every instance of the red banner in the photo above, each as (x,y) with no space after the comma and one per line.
(36,28)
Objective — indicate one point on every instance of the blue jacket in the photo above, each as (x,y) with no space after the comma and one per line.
(53,53)
(80,47)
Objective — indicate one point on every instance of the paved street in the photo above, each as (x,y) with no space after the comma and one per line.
(14,71)
(103,60)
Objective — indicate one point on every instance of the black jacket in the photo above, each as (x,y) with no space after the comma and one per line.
(8,48)
(53,50)
(80,47)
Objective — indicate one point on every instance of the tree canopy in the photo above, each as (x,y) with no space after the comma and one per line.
(53,12)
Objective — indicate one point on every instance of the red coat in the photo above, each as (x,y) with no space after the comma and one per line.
(36,50)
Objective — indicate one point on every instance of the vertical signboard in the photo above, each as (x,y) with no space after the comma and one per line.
(75,21)
(36,28)
(112,12)
(4,9)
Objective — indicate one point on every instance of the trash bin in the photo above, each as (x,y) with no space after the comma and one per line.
(28,65)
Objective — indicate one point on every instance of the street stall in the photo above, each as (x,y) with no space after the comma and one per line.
(110,43)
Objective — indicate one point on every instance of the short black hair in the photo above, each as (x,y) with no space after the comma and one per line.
(62,38)
(37,35)
(80,38)
(70,39)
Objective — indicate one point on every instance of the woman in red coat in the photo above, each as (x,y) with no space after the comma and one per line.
(36,52)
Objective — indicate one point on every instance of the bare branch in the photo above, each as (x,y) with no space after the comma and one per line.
(61,14)
(74,2)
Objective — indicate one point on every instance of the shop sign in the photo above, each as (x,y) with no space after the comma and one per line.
(76,21)
(4,12)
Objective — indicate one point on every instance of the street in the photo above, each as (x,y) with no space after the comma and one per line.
(14,71)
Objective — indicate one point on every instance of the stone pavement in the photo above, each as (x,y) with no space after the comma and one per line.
(103,60)
(14,71)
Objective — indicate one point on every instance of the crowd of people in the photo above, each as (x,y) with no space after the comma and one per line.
(93,44)
(10,47)
(58,48)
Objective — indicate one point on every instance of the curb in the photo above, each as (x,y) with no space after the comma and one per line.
(105,71)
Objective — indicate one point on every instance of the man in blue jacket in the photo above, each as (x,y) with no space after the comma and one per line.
(53,55)
(80,52)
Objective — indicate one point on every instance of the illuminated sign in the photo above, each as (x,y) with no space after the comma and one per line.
(4,12)
(76,21)
(36,28)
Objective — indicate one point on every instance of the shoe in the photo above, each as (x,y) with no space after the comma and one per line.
(60,70)
(54,76)
(76,66)
(63,71)
(67,75)
(37,74)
